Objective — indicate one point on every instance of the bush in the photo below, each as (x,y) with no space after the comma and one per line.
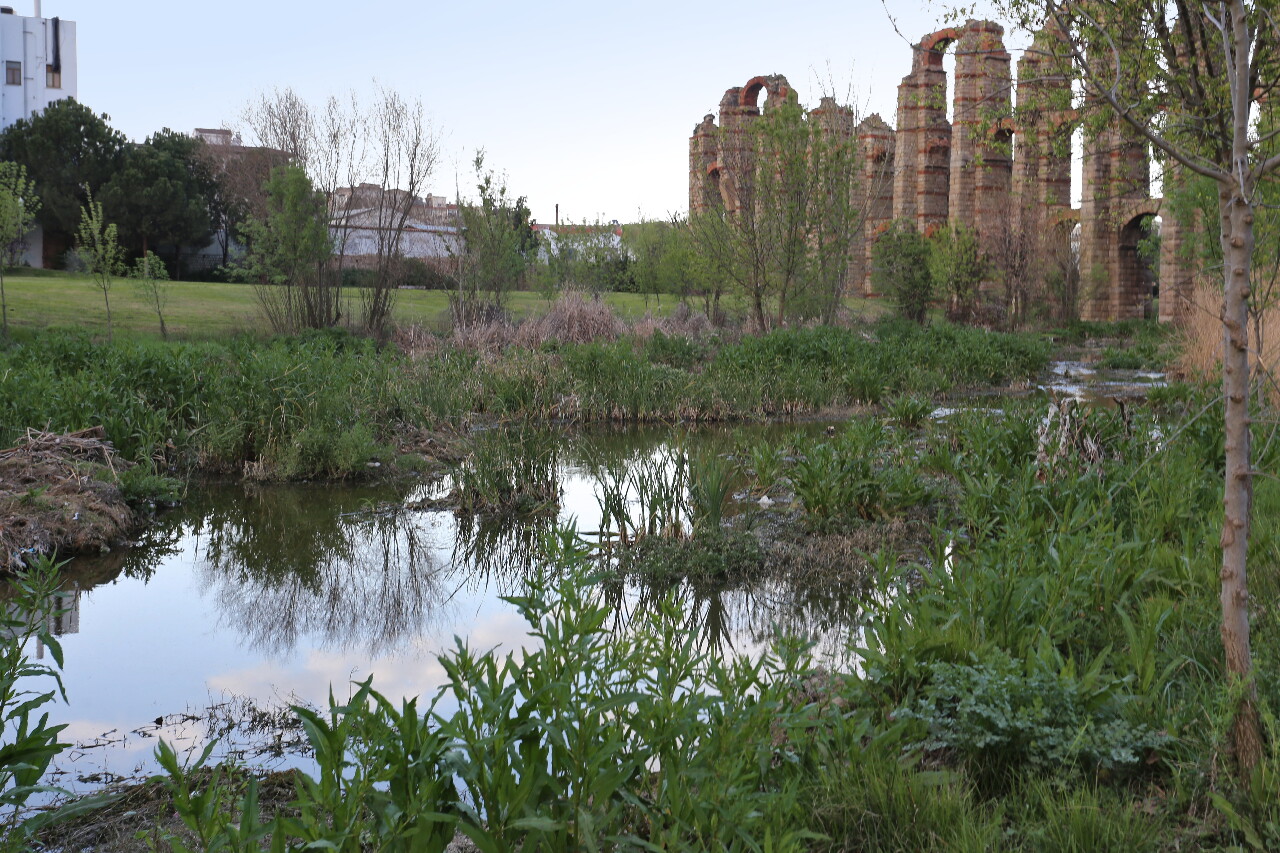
(422,276)
(357,277)
(150,267)
(1004,715)
(900,267)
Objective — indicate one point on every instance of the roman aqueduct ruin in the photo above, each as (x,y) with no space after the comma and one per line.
(999,166)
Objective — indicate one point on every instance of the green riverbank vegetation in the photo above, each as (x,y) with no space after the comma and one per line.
(1040,671)
(329,405)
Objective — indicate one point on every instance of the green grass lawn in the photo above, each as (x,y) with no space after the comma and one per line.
(209,310)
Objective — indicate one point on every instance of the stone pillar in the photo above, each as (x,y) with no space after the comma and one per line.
(981,157)
(1177,270)
(835,122)
(923,158)
(736,149)
(876,145)
(1096,231)
(703,158)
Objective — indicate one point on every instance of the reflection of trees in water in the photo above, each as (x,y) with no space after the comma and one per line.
(81,574)
(329,564)
(500,551)
(727,618)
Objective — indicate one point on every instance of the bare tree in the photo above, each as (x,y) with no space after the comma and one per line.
(281,121)
(370,164)
(405,152)
(339,164)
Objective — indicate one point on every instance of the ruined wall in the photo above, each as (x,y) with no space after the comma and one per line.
(921,185)
(999,168)
(877,146)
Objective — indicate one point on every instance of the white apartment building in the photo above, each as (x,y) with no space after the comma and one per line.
(38,58)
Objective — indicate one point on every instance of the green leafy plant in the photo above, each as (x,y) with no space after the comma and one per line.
(101,251)
(1001,715)
(29,743)
(900,267)
(909,410)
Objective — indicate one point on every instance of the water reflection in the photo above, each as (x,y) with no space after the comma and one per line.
(252,597)
(500,552)
(343,570)
(747,617)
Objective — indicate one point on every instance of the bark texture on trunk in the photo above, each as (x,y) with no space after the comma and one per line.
(1236,211)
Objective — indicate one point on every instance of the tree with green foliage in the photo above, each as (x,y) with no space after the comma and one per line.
(19,205)
(1198,82)
(288,250)
(151,276)
(69,152)
(900,268)
(162,195)
(786,236)
(665,259)
(498,242)
(589,256)
(957,267)
(100,250)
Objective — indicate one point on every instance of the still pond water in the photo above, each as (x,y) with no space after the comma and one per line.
(249,598)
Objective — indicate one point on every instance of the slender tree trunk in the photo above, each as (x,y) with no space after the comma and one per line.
(4,309)
(106,299)
(757,303)
(1237,248)
(1236,210)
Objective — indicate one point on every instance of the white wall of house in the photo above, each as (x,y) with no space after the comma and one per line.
(28,56)
(37,67)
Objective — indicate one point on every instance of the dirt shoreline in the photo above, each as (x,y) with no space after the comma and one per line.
(59,494)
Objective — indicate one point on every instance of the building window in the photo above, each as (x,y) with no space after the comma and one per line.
(13,73)
(52,77)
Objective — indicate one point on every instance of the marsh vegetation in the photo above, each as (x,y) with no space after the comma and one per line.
(991,624)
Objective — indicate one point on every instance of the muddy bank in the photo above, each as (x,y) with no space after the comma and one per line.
(59,493)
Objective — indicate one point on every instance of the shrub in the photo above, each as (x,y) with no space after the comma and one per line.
(1003,715)
(957,266)
(900,267)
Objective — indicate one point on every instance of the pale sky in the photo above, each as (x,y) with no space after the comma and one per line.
(588,105)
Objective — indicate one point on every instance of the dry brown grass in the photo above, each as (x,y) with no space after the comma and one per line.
(1201,340)
(574,317)
(683,321)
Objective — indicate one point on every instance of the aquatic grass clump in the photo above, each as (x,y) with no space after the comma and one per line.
(713,479)
(861,474)
(511,471)
(767,460)
(646,495)
(909,410)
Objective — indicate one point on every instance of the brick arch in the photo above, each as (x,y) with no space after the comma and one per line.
(722,185)
(928,53)
(1132,284)
(775,84)
(940,41)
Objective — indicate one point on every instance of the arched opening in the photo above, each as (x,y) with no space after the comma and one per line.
(1138,266)
(755,95)
(714,188)
(759,90)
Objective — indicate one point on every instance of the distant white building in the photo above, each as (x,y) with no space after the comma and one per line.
(38,56)
(39,59)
